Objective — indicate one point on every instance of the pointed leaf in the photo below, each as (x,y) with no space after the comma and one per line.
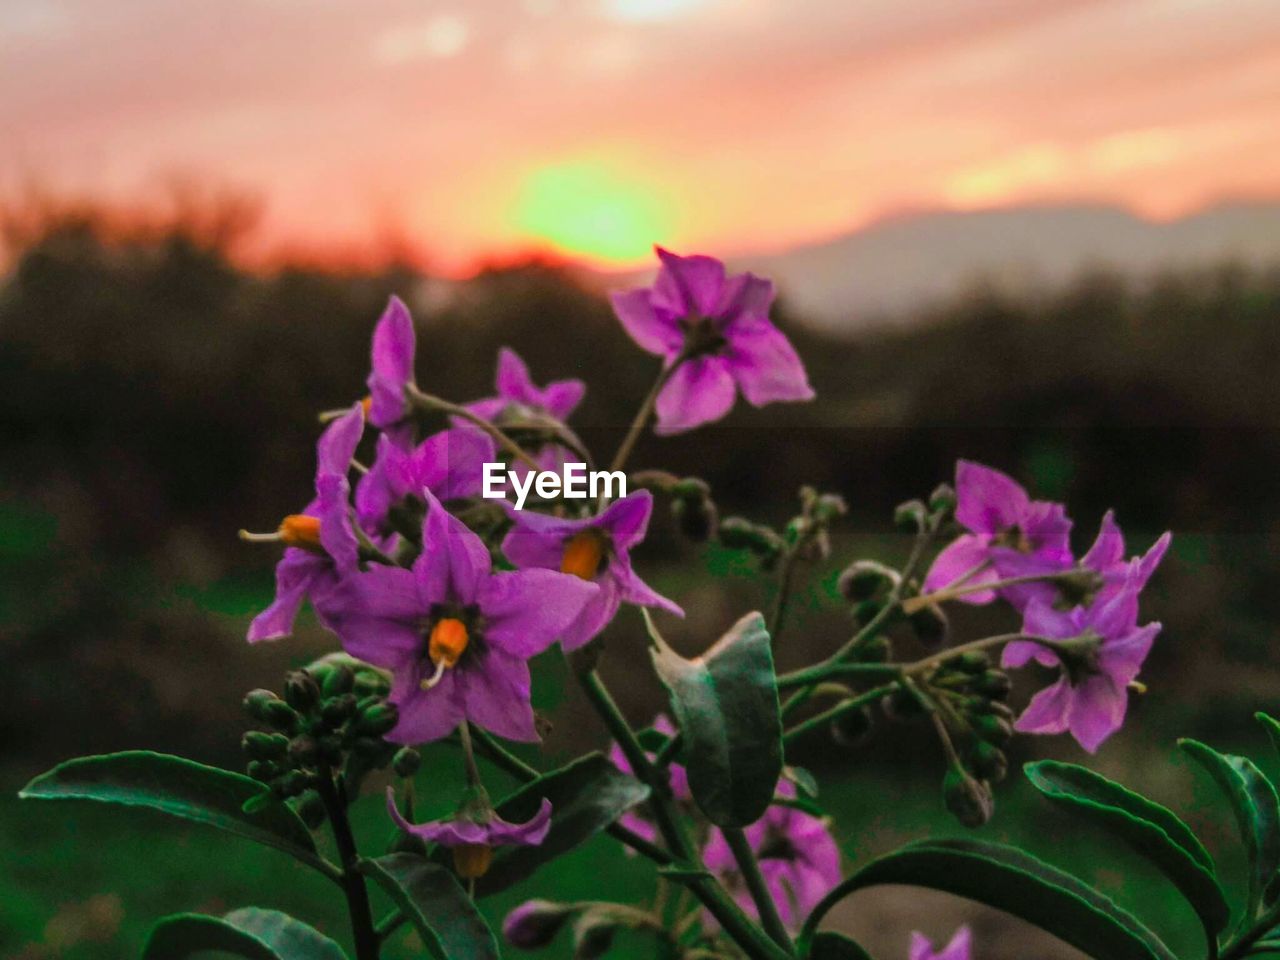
(1256,808)
(445,917)
(181,788)
(586,797)
(1009,880)
(726,705)
(1150,829)
(252,933)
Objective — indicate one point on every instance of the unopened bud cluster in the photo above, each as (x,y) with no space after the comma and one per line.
(332,717)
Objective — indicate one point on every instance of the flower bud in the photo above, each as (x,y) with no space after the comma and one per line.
(994,684)
(535,923)
(877,649)
(943,500)
(377,719)
(864,579)
(406,762)
(852,728)
(264,746)
(370,683)
(697,519)
(988,761)
(339,679)
(968,800)
(301,691)
(930,625)
(828,508)
(993,729)
(737,533)
(303,751)
(265,707)
(691,488)
(293,783)
(867,611)
(338,711)
(902,707)
(910,517)
(975,661)
(372,750)
(330,749)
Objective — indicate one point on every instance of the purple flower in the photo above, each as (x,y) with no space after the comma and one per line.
(720,326)
(679,780)
(595,549)
(474,833)
(1010,535)
(957,949)
(798,858)
(455,635)
(392,371)
(519,399)
(449,464)
(1106,558)
(1104,651)
(535,923)
(320,543)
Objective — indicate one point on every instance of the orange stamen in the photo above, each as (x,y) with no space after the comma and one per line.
(300,530)
(583,554)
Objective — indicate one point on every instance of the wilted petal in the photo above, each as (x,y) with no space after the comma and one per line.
(700,391)
(530,833)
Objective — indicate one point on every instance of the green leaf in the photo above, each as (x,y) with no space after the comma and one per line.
(1150,829)
(726,704)
(181,788)
(835,946)
(1272,727)
(446,919)
(252,933)
(1256,808)
(1009,880)
(586,796)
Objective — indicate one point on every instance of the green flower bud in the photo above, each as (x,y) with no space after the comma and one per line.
(852,728)
(697,519)
(339,710)
(975,661)
(303,751)
(264,746)
(988,761)
(878,649)
(994,684)
(377,719)
(301,691)
(311,810)
(828,508)
(901,707)
(910,517)
(737,533)
(969,801)
(691,488)
(406,762)
(864,579)
(370,683)
(339,680)
(993,729)
(943,500)
(930,625)
(293,783)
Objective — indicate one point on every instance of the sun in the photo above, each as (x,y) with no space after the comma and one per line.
(588,210)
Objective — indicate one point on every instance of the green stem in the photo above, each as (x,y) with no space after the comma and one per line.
(956,591)
(819,720)
(749,867)
(816,674)
(468,752)
(736,924)
(425,401)
(786,573)
(933,661)
(363,932)
(642,415)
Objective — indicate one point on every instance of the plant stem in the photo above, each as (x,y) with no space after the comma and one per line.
(642,415)
(933,661)
(426,401)
(468,752)
(749,867)
(828,671)
(363,931)
(736,924)
(839,710)
(786,573)
(961,590)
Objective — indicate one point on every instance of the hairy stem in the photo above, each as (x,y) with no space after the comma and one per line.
(642,415)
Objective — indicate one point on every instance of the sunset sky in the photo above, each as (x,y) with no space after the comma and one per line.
(471,128)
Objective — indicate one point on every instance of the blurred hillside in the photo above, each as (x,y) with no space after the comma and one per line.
(156,399)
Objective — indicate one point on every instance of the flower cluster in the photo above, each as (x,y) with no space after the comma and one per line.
(1078,616)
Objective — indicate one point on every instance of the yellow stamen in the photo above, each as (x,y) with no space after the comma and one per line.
(300,530)
(448,641)
(366,405)
(472,860)
(583,554)
(1138,687)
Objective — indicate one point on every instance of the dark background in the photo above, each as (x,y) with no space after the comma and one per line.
(155,398)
